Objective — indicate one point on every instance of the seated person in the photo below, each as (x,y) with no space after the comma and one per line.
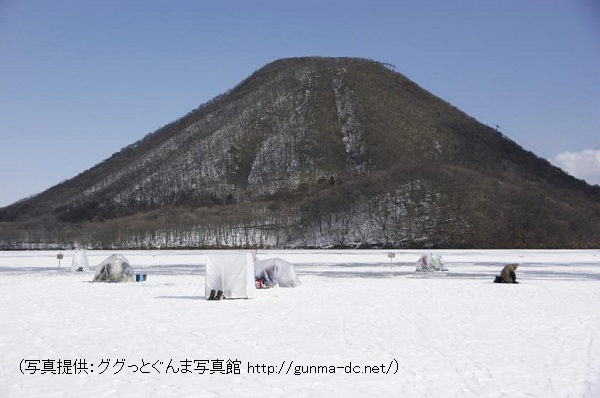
(508,274)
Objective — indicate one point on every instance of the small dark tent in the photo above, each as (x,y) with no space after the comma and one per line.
(115,268)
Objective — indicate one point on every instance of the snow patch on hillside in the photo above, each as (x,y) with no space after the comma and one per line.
(352,134)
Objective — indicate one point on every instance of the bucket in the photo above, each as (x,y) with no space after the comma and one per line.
(140,277)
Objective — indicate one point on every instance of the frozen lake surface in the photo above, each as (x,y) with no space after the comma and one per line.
(358,325)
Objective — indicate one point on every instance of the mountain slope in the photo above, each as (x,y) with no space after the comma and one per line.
(315,152)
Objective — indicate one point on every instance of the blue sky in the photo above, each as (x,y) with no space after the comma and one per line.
(79,80)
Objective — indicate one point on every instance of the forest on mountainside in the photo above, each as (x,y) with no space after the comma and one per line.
(315,152)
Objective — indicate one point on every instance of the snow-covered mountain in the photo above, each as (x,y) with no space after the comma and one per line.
(315,152)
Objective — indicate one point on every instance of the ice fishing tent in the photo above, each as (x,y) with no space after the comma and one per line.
(230,273)
(115,268)
(276,271)
(431,262)
(80,261)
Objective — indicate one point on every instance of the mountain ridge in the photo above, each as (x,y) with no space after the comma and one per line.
(315,152)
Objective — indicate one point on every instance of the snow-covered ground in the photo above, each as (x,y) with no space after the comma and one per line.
(359,325)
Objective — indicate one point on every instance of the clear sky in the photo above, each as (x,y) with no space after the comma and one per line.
(79,80)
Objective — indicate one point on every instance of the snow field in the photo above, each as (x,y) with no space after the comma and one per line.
(451,334)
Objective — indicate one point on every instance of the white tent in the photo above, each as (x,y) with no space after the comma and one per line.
(431,262)
(115,268)
(80,261)
(276,271)
(230,273)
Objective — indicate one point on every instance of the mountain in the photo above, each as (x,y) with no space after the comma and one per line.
(315,152)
